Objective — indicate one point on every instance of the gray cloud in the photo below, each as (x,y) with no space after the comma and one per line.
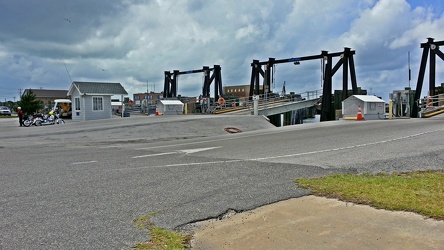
(136,41)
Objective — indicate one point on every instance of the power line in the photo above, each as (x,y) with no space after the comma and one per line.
(67,70)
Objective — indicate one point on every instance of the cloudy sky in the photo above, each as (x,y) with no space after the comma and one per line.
(50,43)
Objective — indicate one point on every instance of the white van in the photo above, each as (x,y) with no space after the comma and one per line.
(63,106)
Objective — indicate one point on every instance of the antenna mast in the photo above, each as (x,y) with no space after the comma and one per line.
(410,71)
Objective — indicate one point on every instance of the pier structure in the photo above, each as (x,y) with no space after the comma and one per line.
(430,47)
(171,81)
(345,60)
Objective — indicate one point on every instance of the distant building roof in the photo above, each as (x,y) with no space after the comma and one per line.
(48,93)
(97,88)
(171,102)
(367,98)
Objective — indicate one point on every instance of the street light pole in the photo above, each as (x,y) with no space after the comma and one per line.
(408,90)
(146,99)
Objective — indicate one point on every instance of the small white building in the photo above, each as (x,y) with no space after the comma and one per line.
(372,107)
(169,107)
(92,100)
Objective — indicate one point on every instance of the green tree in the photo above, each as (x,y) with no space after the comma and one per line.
(29,103)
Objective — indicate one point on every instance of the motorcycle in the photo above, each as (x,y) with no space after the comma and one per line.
(51,119)
(41,120)
(56,118)
(29,120)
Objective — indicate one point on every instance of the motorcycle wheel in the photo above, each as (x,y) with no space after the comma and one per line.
(38,123)
(26,123)
(60,121)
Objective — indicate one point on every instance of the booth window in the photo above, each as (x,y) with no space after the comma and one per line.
(97,103)
(77,103)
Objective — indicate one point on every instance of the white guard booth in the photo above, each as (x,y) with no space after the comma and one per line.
(372,107)
(169,107)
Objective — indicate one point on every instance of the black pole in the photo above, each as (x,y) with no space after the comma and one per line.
(256,79)
(206,88)
(345,74)
(166,84)
(216,87)
(253,75)
(422,68)
(218,79)
(174,83)
(432,68)
(326,94)
(267,84)
(353,75)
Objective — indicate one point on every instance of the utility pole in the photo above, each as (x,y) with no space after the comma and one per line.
(410,71)
(407,113)
(147,98)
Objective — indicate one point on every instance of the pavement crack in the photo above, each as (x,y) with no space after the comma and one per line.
(228,214)
(191,226)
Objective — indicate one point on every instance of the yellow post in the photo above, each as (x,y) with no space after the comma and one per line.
(390,109)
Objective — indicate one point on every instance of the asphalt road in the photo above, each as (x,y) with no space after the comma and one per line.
(80,185)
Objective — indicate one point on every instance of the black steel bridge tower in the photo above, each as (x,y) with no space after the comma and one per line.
(346,60)
(170,83)
(431,47)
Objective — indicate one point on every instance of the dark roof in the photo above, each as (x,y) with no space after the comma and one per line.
(48,93)
(103,88)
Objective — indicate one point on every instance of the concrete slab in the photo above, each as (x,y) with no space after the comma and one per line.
(314,222)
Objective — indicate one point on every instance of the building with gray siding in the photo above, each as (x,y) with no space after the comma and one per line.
(92,100)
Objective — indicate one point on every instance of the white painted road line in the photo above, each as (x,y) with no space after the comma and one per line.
(83,162)
(195,150)
(186,151)
(143,156)
(261,158)
(349,147)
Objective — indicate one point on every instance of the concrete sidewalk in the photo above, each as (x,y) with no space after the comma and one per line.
(312,222)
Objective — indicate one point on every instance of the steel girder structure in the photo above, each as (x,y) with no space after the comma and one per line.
(431,47)
(170,83)
(346,60)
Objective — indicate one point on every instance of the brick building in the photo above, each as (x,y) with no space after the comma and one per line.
(47,96)
(151,98)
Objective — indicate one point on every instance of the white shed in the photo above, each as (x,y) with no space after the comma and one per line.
(372,107)
(169,107)
(92,100)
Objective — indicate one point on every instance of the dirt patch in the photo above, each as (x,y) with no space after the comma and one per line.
(314,222)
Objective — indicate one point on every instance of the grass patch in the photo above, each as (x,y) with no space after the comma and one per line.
(419,192)
(144,221)
(160,238)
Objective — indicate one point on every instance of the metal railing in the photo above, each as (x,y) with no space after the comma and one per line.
(431,104)
(265,100)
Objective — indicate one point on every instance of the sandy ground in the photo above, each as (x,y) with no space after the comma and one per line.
(314,222)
